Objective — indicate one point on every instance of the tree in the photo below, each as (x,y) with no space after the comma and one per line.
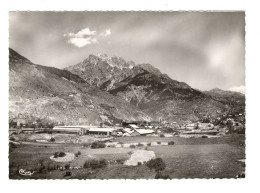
(157,164)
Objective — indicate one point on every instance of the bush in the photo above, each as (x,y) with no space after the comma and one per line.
(159,175)
(171,143)
(97,144)
(86,145)
(140,144)
(169,130)
(139,163)
(68,173)
(42,169)
(120,161)
(95,164)
(157,164)
(113,145)
(51,167)
(148,144)
(67,166)
(77,154)
(12,145)
(103,163)
(132,146)
(59,154)
(162,135)
(12,138)
(41,161)
(52,140)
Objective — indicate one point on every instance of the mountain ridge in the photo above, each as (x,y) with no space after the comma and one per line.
(97,90)
(61,96)
(158,95)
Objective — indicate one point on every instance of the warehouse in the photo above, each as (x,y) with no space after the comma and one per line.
(81,130)
(101,131)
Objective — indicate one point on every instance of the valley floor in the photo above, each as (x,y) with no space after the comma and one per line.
(187,158)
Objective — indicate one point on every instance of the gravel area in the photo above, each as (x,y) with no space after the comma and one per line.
(139,156)
(67,158)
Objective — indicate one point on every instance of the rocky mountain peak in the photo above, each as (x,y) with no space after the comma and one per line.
(150,68)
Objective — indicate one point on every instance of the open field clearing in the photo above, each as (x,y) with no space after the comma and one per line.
(229,139)
(187,158)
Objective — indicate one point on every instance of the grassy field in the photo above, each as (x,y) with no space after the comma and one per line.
(228,139)
(188,158)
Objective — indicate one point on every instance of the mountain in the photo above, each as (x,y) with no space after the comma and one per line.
(216,92)
(235,100)
(61,96)
(102,69)
(145,87)
(226,96)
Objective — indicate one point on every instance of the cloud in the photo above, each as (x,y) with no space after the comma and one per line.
(81,34)
(81,42)
(106,33)
(82,38)
(241,89)
(85,37)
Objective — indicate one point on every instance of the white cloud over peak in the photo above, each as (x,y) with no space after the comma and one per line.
(241,89)
(81,42)
(85,37)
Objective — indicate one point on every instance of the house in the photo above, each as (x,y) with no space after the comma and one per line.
(198,125)
(133,126)
(27,130)
(206,126)
(137,132)
(150,127)
(144,131)
(191,126)
(130,132)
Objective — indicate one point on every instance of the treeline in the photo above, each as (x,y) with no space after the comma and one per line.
(30,121)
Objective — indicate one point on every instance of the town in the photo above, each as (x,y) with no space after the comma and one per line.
(71,148)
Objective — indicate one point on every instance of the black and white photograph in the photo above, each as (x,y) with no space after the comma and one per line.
(127,95)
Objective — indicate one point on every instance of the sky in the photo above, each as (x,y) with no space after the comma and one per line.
(204,49)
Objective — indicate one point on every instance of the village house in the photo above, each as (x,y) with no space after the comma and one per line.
(136,132)
(130,132)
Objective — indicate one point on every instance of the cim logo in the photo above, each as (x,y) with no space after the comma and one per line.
(25,172)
